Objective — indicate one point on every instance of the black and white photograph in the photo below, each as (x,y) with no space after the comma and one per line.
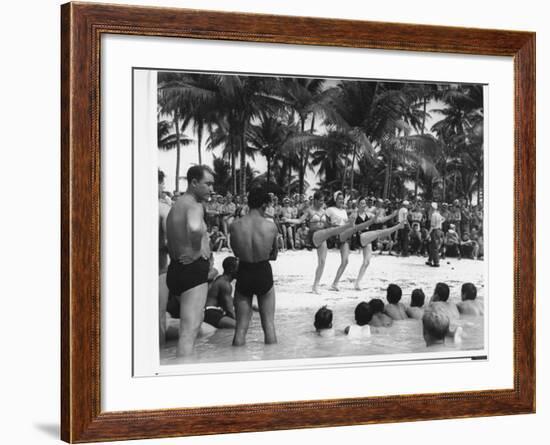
(335,219)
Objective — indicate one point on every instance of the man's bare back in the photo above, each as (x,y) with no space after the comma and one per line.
(253,238)
(254,242)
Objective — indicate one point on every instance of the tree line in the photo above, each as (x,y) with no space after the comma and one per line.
(366,136)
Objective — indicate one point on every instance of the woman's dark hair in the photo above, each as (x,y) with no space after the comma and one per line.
(417,298)
(323,318)
(393,294)
(363,313)
(318,195)
(469,291)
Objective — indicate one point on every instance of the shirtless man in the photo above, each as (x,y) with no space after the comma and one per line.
(254,242)
(189,249)
(219,311)
(164,209)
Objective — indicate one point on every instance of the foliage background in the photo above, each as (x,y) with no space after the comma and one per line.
(29,182)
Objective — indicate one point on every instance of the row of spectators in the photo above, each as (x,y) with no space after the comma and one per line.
(462,223)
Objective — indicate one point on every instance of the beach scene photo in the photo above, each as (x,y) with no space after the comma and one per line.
(315,218)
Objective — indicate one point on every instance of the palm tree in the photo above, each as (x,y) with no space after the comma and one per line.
(461,133)
(307,98)
(239,99)
(168,141)
(268,137)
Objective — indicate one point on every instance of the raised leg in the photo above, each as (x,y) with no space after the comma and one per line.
(369,237)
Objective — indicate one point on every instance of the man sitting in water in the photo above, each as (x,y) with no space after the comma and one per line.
(363,316)
(416,310)
(469,305)
(435,325)
(254,241)
(323,322)
(379,318)
(441,294)
(218,311)
(394,308)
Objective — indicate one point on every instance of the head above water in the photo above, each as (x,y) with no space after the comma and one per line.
(258,198)
(435,324)
(230,266)
(393,294)
(323,319)
(200,182)
(417,298)
(442,292)
(376,305)
(469,291)
(363,313)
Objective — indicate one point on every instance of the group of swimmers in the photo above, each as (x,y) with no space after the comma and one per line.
(184,239)
(440,318)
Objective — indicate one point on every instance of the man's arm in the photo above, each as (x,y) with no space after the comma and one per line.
(274,247)
(195,227)
(225,298)
(234,245)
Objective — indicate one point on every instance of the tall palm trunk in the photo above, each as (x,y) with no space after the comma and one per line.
(233,167)
(243,161)
(289,177)
(306,157)
(199,140)
(352,168)
(387,178)
(417,177)
(178,152)
(301,166)
(344,173)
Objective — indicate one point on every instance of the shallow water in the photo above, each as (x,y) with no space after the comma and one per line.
(296,308)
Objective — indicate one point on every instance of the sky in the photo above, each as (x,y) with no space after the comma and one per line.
(189,154)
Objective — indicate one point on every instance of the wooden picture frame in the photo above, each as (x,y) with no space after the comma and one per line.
(82,26)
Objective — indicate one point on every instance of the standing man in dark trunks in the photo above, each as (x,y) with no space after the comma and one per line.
(189,249)
(219,311)
(254,242)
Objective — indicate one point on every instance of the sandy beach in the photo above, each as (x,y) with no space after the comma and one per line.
(293,274)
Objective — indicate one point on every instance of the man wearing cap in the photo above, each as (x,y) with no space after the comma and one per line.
(403,234)
(435,235)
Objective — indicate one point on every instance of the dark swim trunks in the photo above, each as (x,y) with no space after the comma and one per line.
(182,277)
(254,278)
(213,315)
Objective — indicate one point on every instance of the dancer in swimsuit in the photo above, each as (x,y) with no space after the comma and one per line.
(319,232)
(364,216)
(189,249)
(338,217)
